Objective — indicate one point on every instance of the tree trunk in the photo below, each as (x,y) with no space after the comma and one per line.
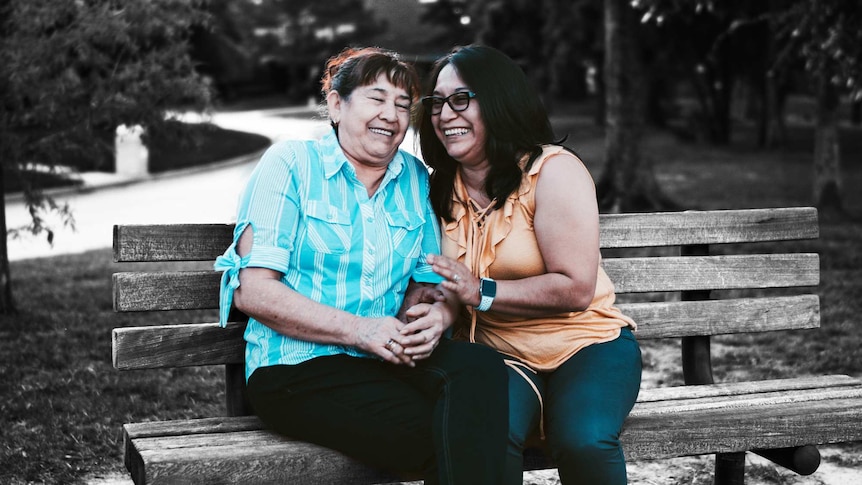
(7,304)
(827,156)
(775,103)
(628,182)
(856,112)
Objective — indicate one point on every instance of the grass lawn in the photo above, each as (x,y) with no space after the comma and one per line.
(62,404)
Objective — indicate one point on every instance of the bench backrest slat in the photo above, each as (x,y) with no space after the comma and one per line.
(199,289)
(204,242)
(207,344)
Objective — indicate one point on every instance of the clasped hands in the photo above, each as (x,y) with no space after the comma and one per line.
(416,331)
(405,342)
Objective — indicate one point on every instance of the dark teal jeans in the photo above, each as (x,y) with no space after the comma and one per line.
(586,401)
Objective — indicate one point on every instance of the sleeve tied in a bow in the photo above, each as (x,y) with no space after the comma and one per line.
(230,263)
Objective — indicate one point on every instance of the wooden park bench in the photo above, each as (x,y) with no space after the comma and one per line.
(689,289)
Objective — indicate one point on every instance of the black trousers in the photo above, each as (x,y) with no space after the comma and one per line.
(446,419)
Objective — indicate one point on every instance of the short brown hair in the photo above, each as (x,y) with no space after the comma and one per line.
(355,67)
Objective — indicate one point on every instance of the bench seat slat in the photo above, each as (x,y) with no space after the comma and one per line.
(728,430)
(192,290)
(246,457)
(674,393)
(208,344)
(740,401)
(742,420)
(203,242)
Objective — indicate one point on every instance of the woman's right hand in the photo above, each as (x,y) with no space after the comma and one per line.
(382,337)
(459,279)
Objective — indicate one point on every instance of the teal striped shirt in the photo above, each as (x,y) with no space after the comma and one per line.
(314,222)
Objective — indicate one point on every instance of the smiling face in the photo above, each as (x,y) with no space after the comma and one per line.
(461,132)
(372,122)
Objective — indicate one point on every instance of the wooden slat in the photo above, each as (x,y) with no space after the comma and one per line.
(674,422)
(740,428)
(177,290)
(207,344)
(178,345)
(718,317)
(740,401)
(805,383)
(245,457)
(637,275)
(171,242)
(177,427)
(708,227)
(201,242)
(187,290)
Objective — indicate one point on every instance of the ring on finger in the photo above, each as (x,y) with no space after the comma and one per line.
(388,344)
(456,278)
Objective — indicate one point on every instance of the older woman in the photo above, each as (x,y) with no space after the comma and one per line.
(521,250)
(328,236)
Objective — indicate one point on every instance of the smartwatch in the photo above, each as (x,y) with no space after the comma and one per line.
(487,290)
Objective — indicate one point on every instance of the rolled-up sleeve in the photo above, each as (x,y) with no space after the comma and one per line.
(269,209)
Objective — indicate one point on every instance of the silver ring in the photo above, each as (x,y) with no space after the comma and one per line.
(456,278)
(388,345)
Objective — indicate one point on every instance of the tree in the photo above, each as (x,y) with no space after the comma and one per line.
(628,182)
(72,71)
(827,36)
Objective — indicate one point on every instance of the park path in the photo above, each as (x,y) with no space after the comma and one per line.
(203,194)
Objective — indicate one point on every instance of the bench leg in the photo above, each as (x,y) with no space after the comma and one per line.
(730,468)
(234,390)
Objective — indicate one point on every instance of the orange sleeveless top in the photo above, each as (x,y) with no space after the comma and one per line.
(504,247)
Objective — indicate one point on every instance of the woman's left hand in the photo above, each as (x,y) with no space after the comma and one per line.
(418,293)
(459,278)
(423,333)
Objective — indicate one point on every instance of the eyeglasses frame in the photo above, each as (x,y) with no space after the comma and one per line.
(426,101)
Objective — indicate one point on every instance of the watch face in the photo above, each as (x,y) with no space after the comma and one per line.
(488,287)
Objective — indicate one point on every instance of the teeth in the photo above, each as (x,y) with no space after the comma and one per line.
(455,131)
(381,131)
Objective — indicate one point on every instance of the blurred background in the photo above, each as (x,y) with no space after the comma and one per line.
(672,104)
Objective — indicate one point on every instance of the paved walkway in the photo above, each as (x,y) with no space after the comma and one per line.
(203,194)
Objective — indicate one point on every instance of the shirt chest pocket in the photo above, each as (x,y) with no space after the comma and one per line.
(328,228)
(406,230)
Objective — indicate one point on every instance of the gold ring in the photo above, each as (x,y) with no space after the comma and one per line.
(388,345)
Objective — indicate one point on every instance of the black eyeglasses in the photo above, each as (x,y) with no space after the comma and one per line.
(458,102)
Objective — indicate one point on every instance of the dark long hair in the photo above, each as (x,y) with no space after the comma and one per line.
(516,123)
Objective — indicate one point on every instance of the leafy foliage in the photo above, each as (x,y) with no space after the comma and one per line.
(826,35)
(71,71)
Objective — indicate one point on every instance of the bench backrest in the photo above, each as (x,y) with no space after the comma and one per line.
(677,284)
